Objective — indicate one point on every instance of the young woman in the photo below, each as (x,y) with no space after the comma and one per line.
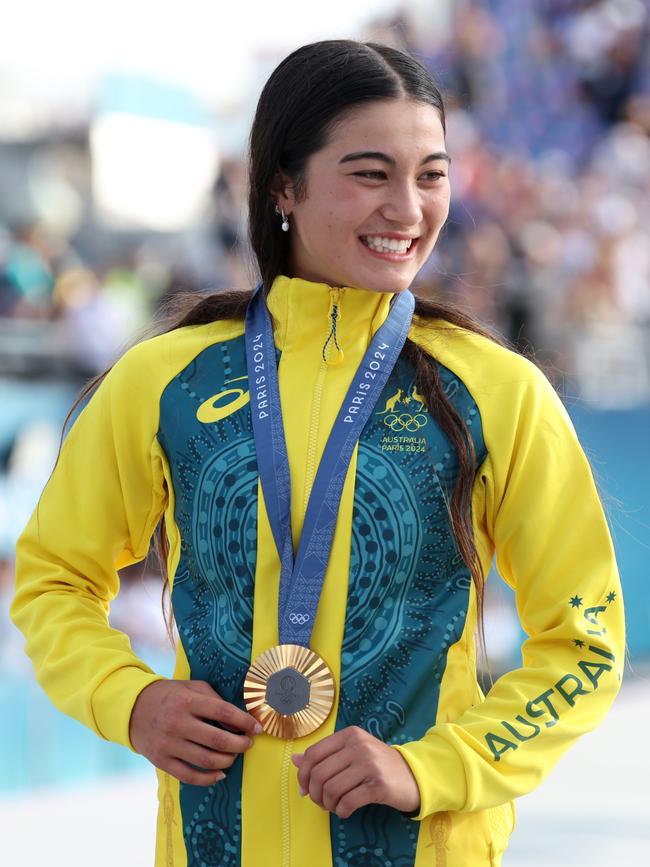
(328,533)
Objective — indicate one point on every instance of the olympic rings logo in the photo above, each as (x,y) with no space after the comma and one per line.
(405,421)
(300,619)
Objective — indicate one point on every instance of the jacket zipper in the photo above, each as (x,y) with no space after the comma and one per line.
(331,340)
(333,315)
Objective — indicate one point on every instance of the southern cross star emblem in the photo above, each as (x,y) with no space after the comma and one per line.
(578,642)
(575,601)
(611,596)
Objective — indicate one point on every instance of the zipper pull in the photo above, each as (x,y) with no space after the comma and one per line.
(334,316)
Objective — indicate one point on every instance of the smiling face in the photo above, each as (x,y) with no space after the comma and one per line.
(376,197)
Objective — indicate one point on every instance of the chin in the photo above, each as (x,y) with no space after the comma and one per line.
(377,279)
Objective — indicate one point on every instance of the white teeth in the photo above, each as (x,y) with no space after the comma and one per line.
(387,245)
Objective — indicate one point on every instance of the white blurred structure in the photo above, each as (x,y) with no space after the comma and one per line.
(136,183)
(154,155)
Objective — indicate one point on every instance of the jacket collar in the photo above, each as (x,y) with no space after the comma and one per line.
(303,314)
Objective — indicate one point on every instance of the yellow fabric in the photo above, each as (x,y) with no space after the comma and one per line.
(534,502)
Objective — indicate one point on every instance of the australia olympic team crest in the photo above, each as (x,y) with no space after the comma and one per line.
(405,411)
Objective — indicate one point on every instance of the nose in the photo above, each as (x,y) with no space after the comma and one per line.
(403,204)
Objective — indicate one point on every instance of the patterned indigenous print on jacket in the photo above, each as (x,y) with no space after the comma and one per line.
(408,593)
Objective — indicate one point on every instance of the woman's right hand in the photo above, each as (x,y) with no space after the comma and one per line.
(168,726)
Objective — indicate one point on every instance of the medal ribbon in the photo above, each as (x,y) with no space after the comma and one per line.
(301,582)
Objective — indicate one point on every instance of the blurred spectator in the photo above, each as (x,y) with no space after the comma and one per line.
(28,272)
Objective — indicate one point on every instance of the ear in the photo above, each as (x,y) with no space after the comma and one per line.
(282,192)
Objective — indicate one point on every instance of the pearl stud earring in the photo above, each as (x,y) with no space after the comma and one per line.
(285,218)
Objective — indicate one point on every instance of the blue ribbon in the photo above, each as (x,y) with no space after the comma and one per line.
(301,582)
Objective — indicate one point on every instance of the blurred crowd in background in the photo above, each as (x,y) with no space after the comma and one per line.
(548,115)
(548,239)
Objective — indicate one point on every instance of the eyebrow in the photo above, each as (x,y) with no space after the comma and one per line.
(384,158)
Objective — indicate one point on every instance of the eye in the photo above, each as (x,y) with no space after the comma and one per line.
(433,176)
(375,175)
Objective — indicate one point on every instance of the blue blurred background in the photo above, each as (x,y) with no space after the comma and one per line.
(122,182)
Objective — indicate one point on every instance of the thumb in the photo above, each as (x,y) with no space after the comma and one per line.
(297,759)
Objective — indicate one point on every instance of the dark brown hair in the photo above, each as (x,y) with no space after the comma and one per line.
(305,97)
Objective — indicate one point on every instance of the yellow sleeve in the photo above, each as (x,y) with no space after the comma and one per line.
(96,515)
(535,502)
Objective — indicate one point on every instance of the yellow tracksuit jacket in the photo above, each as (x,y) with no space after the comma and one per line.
(169,433)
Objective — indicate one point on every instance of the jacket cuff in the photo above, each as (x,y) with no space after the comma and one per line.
(439,773)
(114,698)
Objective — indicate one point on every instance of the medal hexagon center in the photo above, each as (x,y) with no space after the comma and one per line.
(287,691)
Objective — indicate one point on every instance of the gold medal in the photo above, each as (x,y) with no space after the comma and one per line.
(289,690)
